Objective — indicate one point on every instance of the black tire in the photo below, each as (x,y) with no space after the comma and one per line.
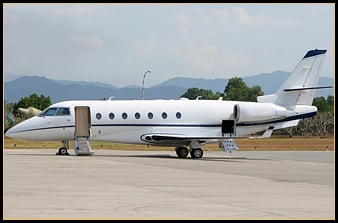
(182,152)
(196,153)
(63,151)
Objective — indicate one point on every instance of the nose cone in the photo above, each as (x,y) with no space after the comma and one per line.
(16,132)
(9,133)
(23,130)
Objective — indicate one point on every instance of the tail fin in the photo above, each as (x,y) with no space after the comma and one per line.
(299,87)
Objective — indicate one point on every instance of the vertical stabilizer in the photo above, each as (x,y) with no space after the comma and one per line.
(299,88)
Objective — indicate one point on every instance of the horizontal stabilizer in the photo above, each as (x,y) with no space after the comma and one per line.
(307,88)
(267,133)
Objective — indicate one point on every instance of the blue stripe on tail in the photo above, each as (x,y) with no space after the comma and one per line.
(315,52)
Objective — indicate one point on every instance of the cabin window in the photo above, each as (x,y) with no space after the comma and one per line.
(111,115)
(98,116)
(164,115)
(178,115)
(150,115)
(124,115)
(63,111)
(137,115)
(48,112)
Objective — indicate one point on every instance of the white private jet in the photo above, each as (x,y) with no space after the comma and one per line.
(180,123)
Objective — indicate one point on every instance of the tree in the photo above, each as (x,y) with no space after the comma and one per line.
(321,104)
(254,92)
(320,125)
(193,93)
(237,90)
(40,102)
(330,101)
(8,118)
(324,105)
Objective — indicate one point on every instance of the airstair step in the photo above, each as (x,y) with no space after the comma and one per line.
(82,146)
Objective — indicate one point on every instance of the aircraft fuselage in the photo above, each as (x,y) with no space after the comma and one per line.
(127,121)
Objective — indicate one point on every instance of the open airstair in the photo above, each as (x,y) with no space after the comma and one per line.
(82,146)
(82,131)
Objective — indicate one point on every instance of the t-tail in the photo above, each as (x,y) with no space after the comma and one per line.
(299,88)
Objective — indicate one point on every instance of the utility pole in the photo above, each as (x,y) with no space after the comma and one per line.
(144,76)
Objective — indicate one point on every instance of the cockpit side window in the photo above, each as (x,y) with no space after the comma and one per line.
(63,111)
(48,112)
(55,111)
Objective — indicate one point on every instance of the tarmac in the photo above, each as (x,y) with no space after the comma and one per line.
(115,184)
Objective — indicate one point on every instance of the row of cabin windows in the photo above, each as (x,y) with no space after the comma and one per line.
(138,115)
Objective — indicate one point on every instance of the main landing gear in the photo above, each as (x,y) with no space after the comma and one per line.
(183,152)
(64,149)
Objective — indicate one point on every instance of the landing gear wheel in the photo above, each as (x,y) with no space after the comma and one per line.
(182,151)
(196,153)
(63,151)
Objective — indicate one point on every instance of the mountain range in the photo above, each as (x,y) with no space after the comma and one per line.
(16,87)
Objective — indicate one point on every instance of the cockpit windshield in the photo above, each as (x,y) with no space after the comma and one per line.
(55,111)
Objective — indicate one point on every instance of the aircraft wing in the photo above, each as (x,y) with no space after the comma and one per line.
(177,139)
(180,139)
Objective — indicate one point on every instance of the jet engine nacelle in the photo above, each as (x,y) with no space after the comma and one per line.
(248,112)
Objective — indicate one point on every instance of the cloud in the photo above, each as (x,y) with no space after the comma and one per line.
(147,45)
(88,41)
(82,10)
(59,11)
(209,22)
(243,17)
(175,39)
(209,58)
(189,22)
(184,23)
(222,13)
(205,21)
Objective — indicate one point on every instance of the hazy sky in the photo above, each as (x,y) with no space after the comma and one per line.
(118,43)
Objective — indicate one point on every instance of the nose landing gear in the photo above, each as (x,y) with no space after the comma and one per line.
(64,149)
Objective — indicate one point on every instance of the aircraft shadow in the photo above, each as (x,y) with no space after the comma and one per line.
(167,156)
(154,156)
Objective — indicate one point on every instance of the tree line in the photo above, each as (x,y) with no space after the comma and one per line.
(236,90)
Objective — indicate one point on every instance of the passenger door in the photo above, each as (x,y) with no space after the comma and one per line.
(82,121)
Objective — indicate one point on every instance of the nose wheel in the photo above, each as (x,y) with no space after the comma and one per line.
(64,149)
